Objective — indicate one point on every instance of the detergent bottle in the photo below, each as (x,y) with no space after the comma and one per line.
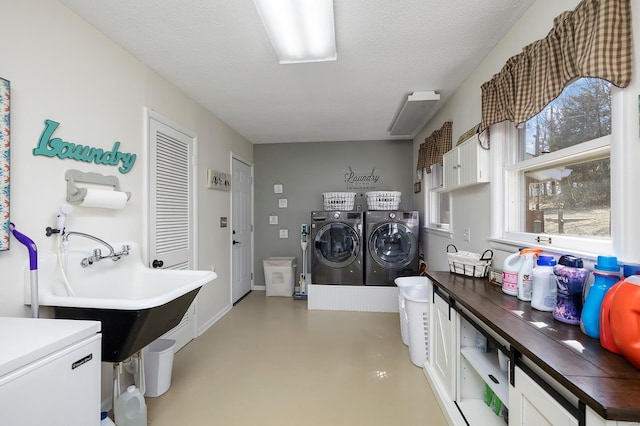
(571,277)
(606,273)
(625,319)
(525,275)
(510,270)
(543,294)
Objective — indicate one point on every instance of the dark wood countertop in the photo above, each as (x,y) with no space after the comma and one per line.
(604,381)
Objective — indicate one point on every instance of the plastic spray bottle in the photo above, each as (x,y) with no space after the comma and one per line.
(510,270)
(525,275)
(606,273)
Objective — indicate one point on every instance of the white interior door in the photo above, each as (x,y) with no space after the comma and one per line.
(242,228)
(171,208)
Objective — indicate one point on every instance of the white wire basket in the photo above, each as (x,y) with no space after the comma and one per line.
(339,201)
(469,263)
(383,200)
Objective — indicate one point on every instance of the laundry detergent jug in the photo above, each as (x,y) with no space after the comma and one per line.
(570,278)
(510,270)
(625,319)
(606,272)
(606,336)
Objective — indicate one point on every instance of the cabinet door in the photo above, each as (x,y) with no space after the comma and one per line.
(530,405)
(468,163)
(450,169)
(444,355)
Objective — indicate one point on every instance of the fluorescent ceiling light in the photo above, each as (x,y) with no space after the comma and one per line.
(413,114)
(300,30)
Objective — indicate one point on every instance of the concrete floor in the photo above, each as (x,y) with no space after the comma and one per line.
(270,361)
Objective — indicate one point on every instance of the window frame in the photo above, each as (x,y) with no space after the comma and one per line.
(505,150)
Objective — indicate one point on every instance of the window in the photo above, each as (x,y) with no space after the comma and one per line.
(438,200)
(439,210)
(558,179)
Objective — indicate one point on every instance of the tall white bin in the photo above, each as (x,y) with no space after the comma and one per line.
(404,282)
(158,365)
(279,275)
(417,305)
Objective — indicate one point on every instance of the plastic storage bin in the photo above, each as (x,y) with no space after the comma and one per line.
(158,365)
(417,305)
(404,282)
(279,275)
(383,200)
(339,201)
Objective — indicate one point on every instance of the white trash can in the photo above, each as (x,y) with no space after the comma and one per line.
(404,282)
(417,306)
(279,275)
(158,365)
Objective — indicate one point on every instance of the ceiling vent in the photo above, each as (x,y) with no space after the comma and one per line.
(413,114)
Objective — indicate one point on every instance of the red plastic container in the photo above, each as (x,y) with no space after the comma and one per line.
(606,336)
(625,319)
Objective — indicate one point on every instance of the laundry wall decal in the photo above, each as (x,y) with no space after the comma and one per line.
(49,146)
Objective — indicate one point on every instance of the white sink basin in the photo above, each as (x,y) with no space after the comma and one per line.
(125,284)
(134,303)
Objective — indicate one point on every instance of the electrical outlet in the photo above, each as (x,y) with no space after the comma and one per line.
(467,234)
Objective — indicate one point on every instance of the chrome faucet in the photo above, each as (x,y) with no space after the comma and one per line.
(97,253)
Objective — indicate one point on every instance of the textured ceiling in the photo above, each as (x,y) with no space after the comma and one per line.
(219,54)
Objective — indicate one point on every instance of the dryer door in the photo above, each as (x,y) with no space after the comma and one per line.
(392,245)
(336,245)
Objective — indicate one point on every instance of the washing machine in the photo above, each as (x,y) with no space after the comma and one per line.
(392,246)
(336,253)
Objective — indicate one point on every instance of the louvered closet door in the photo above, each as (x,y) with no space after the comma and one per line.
(171,211)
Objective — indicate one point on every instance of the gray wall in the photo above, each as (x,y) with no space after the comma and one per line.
(306,170)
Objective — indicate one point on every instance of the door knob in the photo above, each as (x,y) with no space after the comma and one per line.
(157,263)
(236,242)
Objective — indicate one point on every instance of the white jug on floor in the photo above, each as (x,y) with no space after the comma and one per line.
(130,408)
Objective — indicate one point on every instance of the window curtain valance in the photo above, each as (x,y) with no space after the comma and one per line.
(434,147)
(594,40)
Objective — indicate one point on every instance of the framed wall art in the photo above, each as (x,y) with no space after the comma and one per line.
(5,133)
(218,180)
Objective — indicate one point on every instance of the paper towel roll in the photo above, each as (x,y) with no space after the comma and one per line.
(104,199)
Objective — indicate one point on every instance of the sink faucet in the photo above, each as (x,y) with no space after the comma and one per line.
(97,253)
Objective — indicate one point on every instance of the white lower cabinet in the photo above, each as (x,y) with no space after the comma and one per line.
(440,369)
(529,404)
(483,386)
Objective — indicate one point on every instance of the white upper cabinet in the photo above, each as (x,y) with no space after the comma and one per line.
(465,165)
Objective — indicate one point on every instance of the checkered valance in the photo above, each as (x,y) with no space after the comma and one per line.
(435,146)
(594,40)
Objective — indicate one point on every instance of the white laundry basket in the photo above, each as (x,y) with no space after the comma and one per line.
(417,306)
(279,275)
(404,282)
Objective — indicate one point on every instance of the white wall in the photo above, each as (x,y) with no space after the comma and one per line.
(471,207)
(61,68)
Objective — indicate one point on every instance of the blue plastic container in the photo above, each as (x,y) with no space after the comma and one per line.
(606,273)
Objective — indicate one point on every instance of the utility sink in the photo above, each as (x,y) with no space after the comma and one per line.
(135,304)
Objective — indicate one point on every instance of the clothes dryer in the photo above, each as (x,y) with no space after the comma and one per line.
(392,246)
(336,254)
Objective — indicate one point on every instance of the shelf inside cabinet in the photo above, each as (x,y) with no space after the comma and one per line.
(487,366)
(477,413)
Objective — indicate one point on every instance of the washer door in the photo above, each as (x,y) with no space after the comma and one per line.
(392,245)
(337,245)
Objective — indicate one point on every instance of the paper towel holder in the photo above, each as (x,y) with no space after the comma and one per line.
(75,194)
